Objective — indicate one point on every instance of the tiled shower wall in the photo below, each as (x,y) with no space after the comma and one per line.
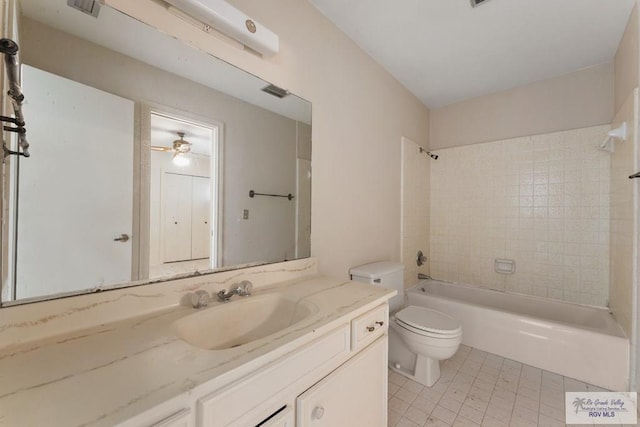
(415,209)
(542,201)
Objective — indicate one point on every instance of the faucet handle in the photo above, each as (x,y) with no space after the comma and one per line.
(244,288)
(200,299)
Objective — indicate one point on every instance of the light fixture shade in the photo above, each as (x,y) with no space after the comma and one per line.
(181,160)
(232,22)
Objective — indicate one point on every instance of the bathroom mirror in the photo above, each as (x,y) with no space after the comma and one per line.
(150,160)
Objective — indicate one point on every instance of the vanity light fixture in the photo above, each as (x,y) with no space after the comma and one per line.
(90,7)
(180,148)
(232,22)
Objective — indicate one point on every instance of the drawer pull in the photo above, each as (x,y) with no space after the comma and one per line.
(373,328)
(318,412)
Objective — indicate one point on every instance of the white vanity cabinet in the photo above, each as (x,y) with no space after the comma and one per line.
(338,379)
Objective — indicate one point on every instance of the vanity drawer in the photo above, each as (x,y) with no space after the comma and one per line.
(285,419)
(173,413)
(249,401)
(366,328)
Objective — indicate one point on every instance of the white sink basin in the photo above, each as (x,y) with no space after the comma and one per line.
(241,321)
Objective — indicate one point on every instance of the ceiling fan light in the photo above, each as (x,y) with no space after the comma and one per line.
(180,159)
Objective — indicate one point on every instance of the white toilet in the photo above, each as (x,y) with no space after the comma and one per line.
(418,337)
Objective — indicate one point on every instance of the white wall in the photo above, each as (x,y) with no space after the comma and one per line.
(540,200)
(360,113)
(627,62)
(575,100)
(266,163)
(625,274)
(623,217)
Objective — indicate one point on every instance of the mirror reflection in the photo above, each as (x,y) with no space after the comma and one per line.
(143,154)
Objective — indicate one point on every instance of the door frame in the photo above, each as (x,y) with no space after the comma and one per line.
(143,178)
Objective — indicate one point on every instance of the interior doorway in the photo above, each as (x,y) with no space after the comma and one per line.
(184,198)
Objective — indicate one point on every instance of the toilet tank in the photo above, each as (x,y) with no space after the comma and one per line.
(387,274)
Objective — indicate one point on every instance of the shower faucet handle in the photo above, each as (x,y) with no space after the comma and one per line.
(420,258)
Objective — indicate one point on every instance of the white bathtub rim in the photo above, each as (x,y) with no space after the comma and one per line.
(620,332)
(527,296)
(567,353)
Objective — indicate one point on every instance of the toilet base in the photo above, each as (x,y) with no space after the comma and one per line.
(426,371)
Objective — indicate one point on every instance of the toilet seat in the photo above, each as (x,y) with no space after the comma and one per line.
(428,322)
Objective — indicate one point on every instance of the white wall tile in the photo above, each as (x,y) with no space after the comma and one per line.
(541,200)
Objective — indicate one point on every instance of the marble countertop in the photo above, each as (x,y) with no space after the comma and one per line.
(107,374)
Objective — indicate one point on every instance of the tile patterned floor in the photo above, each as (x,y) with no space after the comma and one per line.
(481,389)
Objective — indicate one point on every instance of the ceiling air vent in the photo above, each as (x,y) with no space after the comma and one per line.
(475,3)
(90,7)
(275,91)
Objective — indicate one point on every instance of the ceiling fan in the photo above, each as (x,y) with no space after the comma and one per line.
(180,148)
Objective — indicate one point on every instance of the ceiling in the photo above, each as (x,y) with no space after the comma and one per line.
(445,51)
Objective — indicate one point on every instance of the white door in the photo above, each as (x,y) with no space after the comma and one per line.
(201,218)
(81,138)
(176,217)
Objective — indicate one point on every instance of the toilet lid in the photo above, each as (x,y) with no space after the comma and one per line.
(429,320)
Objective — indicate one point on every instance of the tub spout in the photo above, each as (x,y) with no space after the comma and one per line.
(423,276)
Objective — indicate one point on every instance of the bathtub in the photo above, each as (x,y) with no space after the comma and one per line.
(576,341)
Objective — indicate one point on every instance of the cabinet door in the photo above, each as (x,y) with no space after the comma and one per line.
(353,395)
(176,217)
(200,218)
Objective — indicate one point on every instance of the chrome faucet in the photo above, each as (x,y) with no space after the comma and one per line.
(243,289)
